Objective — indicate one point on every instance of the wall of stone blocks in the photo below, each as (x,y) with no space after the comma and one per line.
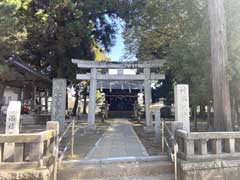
(210,170)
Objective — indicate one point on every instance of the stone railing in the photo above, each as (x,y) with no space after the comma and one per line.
(31,151)
(208,145)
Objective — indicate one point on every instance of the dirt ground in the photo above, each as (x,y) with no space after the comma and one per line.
(84,141)
(148,139)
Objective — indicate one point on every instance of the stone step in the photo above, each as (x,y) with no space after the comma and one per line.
(115,168)
(160,177)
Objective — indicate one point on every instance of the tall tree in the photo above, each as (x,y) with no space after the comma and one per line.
(177,31)
(12,36)
(219,51)
(233,36)
(59,30)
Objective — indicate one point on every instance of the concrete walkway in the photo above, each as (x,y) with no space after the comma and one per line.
(119,141)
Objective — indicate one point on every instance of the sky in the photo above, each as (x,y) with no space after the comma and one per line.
(117,50)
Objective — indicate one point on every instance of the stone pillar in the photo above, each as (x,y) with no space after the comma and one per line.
(92,99)
(181,99)
(157,124)
(51,125)
(12,127)
(148,98)
(59,102)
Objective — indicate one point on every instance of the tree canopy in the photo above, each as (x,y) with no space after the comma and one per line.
(178,30)
(51,32)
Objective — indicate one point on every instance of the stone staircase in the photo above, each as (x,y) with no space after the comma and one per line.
(126,168)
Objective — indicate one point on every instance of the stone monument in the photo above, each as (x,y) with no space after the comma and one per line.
(59,102)
(12,127)
(181,99)
(157,124)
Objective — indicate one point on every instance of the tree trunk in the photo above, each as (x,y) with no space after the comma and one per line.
(74,111)
(195,118)
(209,121)
(237,113)
(202,111)
(66,100)
(85,101)
(234,113)
(61,73)
(2,88)
(221,97)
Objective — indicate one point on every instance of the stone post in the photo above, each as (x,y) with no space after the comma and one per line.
(189,147)
(59,102)
(157,124)
(51,125)
(148,98)
(12,127)
(92,99)
(181,98)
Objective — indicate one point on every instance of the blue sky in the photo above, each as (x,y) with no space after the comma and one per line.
(117,50)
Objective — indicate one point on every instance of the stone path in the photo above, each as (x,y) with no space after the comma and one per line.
(119,141)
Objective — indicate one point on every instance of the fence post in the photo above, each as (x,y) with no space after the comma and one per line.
(189,147)
(175,161)
(54,125)
(217,146)
(163,124)
(72,138)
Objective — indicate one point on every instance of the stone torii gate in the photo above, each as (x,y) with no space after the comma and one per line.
(95,76)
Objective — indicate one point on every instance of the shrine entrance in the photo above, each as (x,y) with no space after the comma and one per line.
(121,89)
(121,101)
(121,95)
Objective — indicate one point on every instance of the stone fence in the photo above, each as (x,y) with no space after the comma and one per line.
(34,154)
(208,145)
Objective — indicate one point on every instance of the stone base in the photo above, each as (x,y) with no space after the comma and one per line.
(91,128)
(41,174)
(123,168)
(206,170)
(149,129)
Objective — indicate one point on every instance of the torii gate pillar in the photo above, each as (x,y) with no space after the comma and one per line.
(148,99)
(92,99)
